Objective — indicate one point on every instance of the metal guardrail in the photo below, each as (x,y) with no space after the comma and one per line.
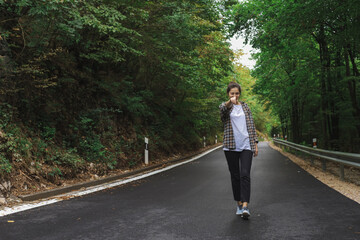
(349,159)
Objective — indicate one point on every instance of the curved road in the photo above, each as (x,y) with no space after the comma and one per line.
(194,201)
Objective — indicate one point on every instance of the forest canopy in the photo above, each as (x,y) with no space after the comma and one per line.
(85,81)
(307,66)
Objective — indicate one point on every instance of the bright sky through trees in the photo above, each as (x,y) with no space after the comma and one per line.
(238,43)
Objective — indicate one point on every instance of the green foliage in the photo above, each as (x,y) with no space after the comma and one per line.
(132,163)
(68,159)
(89,143)
(48,133)
(5,114)
(89,79)
(309,53)
(5,165)
(40,147)
(55,172)
(13,146)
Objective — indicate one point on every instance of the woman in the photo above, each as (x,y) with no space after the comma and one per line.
(240,144)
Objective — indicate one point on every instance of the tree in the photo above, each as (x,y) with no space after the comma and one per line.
(87,80)
(305,61)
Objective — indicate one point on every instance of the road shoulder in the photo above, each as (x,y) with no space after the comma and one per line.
(350,190)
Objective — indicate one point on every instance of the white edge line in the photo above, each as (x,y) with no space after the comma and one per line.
(59,198)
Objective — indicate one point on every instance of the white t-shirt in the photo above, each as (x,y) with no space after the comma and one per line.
(241,135)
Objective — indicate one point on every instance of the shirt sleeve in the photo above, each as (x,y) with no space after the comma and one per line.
(252,124)
(224,112)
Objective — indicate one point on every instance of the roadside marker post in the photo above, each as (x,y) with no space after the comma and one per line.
(314,143)
(204,142)
(146,151)
(215,139)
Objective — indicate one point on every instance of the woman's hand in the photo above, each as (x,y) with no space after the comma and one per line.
(256,151)
(233,100)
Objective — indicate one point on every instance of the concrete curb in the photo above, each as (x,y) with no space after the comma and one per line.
(74,187)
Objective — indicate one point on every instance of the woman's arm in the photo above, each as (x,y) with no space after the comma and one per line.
(228,104)
(225,110)
(256,150)
(252,129)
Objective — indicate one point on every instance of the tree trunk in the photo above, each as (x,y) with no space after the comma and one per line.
(5,54)
(352,89)
(295,126)
(352,58)
(6,68)
(323,80)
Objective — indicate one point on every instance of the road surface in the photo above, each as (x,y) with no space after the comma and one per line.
(194,201)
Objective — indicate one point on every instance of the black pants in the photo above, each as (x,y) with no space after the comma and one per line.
(239,166)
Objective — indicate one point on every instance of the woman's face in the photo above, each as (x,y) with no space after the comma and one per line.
(234,92)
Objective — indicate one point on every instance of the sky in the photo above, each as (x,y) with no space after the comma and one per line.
(246,59)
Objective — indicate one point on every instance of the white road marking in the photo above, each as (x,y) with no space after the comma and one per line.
(58,198)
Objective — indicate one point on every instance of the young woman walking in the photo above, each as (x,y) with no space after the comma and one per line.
(240,145)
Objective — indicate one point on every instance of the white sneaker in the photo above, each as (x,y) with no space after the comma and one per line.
(239,210)
(245,213)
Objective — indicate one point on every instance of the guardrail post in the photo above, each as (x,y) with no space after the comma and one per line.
(324,165)
(342,172)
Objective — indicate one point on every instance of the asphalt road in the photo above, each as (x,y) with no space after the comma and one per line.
(194,201)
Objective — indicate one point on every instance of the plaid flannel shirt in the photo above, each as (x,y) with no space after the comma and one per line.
(229,140)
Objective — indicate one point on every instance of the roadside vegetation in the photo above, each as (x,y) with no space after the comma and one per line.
(83,82)
(307,67)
